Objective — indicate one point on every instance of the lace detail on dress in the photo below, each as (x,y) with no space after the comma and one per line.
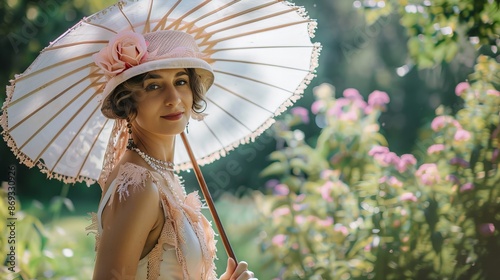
(132,178)
(205,233)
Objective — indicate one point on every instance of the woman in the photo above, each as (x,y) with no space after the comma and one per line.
(148,228)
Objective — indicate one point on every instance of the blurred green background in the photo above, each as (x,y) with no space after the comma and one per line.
(416,51)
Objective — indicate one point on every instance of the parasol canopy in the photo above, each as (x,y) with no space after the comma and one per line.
(260,51)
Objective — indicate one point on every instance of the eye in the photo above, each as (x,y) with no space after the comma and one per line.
(152,87)
(181,82)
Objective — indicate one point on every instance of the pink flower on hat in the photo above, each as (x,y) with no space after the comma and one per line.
(126,49)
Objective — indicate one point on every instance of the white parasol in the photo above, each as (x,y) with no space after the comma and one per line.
(260,51)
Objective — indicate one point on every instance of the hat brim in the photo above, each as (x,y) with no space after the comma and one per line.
(203,69)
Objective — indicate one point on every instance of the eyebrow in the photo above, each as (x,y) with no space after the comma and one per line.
(156,76)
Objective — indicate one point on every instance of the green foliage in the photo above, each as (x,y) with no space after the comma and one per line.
(437,29)
(349,208)
(56,248)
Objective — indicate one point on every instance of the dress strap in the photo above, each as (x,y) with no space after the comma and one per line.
(103,203)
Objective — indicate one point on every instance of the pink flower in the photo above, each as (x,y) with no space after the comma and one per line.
(378,99)
(279,240)
(459,162)
(408,197)
(281,190)
(282,211)
(394,182)
(326,222)
(434,149)
(387,159)
(439,122)
(341,228)
(338,108)
(317,106)
(126,49)
(272,183)
(428,174)
(302,113)
(352,93)
(299,207)
(461,87)
(300,219)
(391,181)
(453,179)
(406,161)
(351,115)
(466,187)
(462,135)
(325,191)
(487,229)
(494,155)
(493,92)
(378,150)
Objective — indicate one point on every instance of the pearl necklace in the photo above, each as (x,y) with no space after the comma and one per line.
(162,167)
(156,164)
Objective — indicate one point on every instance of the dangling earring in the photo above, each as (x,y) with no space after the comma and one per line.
(130,144)
(187,128)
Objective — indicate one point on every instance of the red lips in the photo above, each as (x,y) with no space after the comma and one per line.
(173,117)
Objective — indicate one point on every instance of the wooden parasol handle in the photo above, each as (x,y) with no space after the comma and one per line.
(208,198)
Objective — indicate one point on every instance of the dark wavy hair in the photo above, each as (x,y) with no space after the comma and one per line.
(123,99)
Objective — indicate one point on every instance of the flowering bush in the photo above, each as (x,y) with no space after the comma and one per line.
(347,207)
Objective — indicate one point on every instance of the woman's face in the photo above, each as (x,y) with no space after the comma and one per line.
(165,101)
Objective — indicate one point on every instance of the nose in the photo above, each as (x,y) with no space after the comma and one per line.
(172,97)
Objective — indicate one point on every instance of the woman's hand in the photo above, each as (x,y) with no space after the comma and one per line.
(234,272)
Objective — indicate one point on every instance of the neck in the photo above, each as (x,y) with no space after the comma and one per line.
(155,145)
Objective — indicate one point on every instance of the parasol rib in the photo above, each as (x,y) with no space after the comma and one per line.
(147,27)
(13,102)
(161,23)
(229,114)
(198,29)
(92,147)
(251,21)
(176,22)
(46,103)
(259,47)
(260,63)
(51,48)
(242,97)
(50,120)
(74,137)
(53,65)
(253,80)
(212,43)
(100,26)
(120,7)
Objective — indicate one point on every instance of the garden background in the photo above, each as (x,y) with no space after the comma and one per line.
(387,168)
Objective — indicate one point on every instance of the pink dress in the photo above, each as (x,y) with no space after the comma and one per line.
(186,246)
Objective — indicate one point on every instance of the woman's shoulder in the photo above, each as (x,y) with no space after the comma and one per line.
(131,178)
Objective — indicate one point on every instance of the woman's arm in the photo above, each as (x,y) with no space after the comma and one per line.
(126,226)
